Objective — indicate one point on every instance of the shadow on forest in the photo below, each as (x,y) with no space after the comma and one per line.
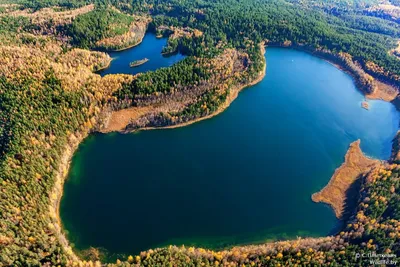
(351,203)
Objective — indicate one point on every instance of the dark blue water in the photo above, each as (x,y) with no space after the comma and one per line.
(246,175)
(149,48)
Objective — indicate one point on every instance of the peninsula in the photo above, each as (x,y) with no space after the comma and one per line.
(355,166)
(51,99)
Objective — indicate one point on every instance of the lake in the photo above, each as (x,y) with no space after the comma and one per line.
(246,175)
(149,48)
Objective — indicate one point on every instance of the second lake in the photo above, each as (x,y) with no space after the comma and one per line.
(149,48)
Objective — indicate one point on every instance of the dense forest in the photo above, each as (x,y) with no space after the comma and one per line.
(50,99)
(277,21)
(86,30)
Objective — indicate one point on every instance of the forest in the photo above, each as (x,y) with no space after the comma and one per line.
(86,30)
(277,21)
(51,97)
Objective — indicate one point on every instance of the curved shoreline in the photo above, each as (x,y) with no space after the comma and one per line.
(58,191)
(376,95)
(355,165)
(142,31)
(127,47)
(70,149)
(379,86)
(105,66)
(72,146)
(233,94)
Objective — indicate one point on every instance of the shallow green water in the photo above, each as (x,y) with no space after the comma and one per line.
(246,175)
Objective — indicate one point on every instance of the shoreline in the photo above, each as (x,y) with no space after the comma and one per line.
(233,94)
(355,165)
(58,190)
(379,91)
(111,59)
(71,148)
(105,67)
(143,33)
(127,47)
(63,170)
(376,95)
(73,142)
(139,63)
(107,51)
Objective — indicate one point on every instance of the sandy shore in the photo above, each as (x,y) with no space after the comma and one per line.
(117,121)
(58,189)
(333,194)
(120,119)
(355,165)
(384,92)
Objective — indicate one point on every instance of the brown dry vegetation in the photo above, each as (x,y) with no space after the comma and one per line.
(48,19)
(224,69)
(121,118)
(142,115)
(383,91)
(47,14)
(74,68)
(366,81)
(7,8)
(178,32)
(388,9)
(373,88)
(378,70)
(355,165)
(35,230)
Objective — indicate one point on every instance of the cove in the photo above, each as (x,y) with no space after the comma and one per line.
(244,176)
(150,48)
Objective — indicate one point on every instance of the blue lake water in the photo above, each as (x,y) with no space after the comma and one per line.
(149,48)
(246,175)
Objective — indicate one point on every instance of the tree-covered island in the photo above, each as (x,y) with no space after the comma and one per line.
(51,98)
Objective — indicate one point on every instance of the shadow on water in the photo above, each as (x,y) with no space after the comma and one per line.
(352,198)
(350,206)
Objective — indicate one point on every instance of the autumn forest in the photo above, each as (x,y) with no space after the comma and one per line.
(51,98)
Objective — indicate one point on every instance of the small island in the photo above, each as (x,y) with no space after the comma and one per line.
(365,105)
(137,63)
(51,100)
